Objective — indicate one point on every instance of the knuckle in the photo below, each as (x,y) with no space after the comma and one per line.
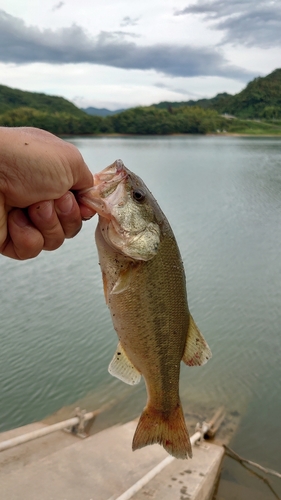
(74,229)
(30,247)
(53,241)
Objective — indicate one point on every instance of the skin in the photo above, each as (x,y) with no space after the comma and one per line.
(38,174)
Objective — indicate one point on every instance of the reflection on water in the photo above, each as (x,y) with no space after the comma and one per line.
(222,198)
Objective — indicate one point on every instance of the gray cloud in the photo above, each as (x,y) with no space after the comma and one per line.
(176,90)
(21,45)
(129,21)
(58,6)
(249,22)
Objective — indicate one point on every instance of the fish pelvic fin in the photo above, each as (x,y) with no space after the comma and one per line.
(122,368)
(165,428)
(196,352)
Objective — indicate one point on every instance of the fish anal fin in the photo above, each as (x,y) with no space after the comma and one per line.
(196,352)
(122,368)
(166,429)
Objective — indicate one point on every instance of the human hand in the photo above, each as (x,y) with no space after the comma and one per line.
(37,209)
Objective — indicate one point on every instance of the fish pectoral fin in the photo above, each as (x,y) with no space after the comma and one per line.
(105,287)
(122,368)
(196,352)
(123,281)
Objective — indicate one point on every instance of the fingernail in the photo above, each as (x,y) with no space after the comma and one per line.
(65,204)
(86,212)
(45,209)
(20,219)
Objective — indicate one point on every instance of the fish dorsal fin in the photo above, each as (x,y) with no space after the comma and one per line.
(196,352)
(122,368)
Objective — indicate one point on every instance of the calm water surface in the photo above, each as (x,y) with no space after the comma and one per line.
(222,197)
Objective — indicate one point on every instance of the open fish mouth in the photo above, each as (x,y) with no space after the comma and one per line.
(107,183)
(114,173)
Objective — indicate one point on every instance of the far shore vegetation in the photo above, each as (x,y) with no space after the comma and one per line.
(254,111)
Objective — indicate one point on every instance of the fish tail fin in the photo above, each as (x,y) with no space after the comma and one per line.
(165,428)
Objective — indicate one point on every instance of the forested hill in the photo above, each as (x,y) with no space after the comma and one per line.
(55,114)
(13,98)
(260,99)
(202,103)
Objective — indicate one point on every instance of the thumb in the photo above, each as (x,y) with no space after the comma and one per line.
(3,221)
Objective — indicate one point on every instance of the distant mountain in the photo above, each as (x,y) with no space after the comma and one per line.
(260,99)
(11,98)
(101,111)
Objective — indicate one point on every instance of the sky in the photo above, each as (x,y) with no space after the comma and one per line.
(120,54)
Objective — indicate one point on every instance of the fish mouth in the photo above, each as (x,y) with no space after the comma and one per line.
(107,183)
(114,173)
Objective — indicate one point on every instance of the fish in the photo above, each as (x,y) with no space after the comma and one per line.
(145,289)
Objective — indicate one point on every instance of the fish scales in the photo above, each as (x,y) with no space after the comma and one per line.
(149,326)
(145,289)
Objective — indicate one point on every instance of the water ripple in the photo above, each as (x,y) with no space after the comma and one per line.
(222,197)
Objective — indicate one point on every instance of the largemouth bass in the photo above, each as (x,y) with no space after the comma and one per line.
(145,289)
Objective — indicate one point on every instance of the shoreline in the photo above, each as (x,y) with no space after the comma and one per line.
(211,134)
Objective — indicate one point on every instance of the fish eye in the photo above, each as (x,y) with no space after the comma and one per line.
(138,195)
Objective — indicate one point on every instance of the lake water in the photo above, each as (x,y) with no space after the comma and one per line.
(222,196)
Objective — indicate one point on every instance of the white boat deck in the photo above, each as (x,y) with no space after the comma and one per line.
(102,467)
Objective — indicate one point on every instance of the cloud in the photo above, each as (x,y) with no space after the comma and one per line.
(173,89)
(21,45)
(58,6)
(249,22)
(112,34)
(129,21)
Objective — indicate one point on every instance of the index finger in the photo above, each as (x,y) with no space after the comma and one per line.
(86,213)
(82,176)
